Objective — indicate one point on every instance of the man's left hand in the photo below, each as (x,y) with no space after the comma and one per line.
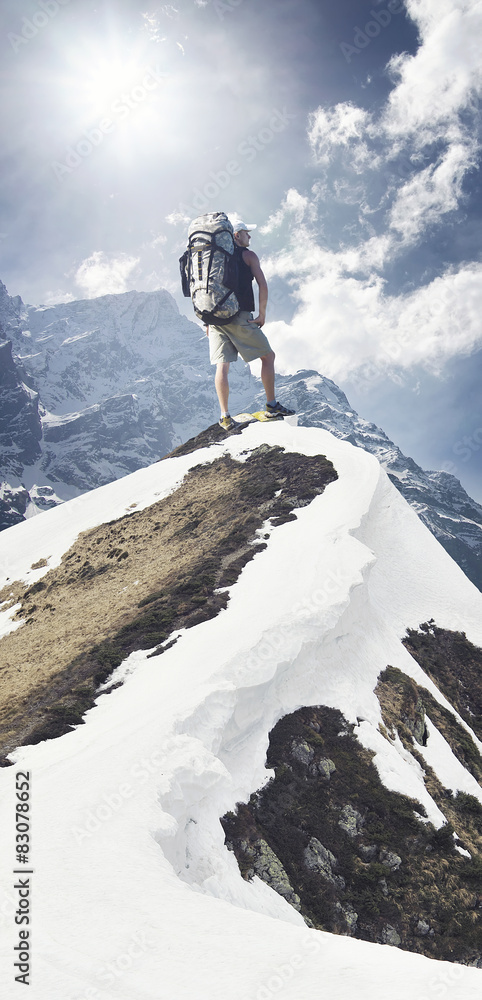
(259,320)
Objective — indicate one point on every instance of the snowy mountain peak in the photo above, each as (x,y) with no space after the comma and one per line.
(121,380)
(242,604)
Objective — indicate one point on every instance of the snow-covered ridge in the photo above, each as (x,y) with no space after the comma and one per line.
(437,497)
(98,388)
(127,806)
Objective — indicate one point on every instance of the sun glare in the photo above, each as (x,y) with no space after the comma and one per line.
(115,93)
(96,79)
(111,80)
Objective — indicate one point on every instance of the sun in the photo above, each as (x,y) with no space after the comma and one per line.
(117,86)
(108,79)
(95,76)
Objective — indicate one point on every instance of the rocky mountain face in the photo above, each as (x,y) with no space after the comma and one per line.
(102,387)
(354,858)
(94,389)
(20,435)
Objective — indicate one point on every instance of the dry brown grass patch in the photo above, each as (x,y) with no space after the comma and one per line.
(128,584)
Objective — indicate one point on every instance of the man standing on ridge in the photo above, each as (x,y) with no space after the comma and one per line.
(244,335)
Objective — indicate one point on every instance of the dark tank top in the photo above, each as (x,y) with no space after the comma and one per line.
(245,283)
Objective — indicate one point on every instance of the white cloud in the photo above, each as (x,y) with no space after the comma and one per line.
(432,192)
(153,28)
(175,218)
(433,89)
(396,175)
(100,275)
(341,126)
(444,73)
(158,241)
(53,298)
(169,10)
(151,283)
(294,207)
(344,324)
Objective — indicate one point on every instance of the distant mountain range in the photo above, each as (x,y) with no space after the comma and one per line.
(94,389)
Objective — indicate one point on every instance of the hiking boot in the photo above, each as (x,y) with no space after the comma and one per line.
(278,410)
(227,423)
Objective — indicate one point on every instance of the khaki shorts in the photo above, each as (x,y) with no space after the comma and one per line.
(238,337)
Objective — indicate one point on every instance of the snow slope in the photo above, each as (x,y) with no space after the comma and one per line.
(94,389)
(134,894)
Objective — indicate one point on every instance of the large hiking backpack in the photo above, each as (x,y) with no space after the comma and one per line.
(209,269)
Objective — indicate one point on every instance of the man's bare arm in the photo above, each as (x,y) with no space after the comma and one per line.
(252,260)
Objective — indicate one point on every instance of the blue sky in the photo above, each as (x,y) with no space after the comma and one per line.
(348,131)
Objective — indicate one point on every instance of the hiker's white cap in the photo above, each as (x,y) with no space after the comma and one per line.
(238,226)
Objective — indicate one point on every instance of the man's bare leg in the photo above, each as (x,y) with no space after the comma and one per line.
(222,385)
(267,375)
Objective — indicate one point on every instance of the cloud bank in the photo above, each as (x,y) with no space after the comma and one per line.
(390,183)
(103,275)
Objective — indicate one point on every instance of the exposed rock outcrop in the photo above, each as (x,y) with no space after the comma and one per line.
(363,860)
(270,870)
